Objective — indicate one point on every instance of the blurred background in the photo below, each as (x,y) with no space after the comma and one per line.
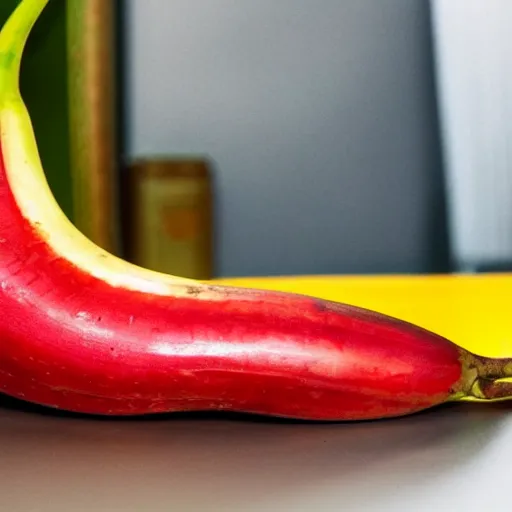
(273,137)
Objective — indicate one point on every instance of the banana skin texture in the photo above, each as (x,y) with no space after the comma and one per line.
(84,331)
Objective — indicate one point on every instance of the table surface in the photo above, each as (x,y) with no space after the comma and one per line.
(455,457)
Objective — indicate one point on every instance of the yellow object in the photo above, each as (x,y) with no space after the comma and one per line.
(474,311)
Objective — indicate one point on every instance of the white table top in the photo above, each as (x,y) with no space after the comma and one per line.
(456,458)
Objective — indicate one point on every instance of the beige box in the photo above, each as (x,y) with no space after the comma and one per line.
(169,216)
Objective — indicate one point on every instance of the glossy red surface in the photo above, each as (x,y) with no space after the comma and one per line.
(71,341)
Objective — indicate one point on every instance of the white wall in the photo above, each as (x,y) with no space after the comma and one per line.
(319,114)
(474,55)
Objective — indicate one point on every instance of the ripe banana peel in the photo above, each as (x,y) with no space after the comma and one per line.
(85,331)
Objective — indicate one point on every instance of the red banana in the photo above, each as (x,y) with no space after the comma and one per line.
(84,331)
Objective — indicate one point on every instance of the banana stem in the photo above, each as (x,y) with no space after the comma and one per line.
(493,391)
(493,368)
(487,379)
(13,37)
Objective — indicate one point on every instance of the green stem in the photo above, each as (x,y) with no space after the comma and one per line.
(13,37)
